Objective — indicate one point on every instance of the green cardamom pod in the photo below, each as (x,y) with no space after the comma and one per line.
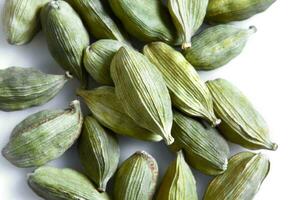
(136,178)
(188,92)
(21,20)
(220,11)
(241,123)
(26,87)
(242,180)
(217,46)
(99,152)
(204,148)
(142,91)
(43,136)
(63,184)
(66,36)
(179,182)
(108,110)
(188,16)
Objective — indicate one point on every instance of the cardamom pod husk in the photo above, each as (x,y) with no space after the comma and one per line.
(44,136)
(188,92)
(142,92)
(108,110)
(63,184)
(242,180)
(217,46)
(99,152)
(66,37)
(241,123)
(178,183)
(136,178)
(22,88)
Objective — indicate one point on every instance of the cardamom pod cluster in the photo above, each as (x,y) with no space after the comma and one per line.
(99,152)
(136,178)
(242,180)
(22,88)
(241,123)
(63,184)
(44,136)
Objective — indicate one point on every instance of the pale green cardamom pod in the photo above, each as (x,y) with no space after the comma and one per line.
(136,178)
(217,46)
(204,148)
(142,92)
(97,59)
(188,16)
(179,182)
(241,123)
(99,152)
(188,92)
(242,180)
(21,20)
(26,87)
(44,136)
(224,11)
(108,110)
(63,184)
(66,37)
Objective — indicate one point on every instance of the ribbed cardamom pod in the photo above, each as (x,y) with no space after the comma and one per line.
(241,123)
(204,148)
(26,87)
(97,59)
(179,182)
(108,110)
(242,180)
(142,92)
(21,20)
(43,136)
(188,92)
(217,46)
(136,178)
(63,184)
(220,11)
(188,16)
(99,152)
(66,37)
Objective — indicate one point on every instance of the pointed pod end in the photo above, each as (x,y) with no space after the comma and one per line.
(68,75)
(186,45)
(274,147)
(169,140)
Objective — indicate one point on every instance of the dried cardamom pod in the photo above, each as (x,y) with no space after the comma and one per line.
(188,16)
(142,92)
(43,136)
(217,46)
(204,148)
(108,110)
(241,123)
(187,90)
(242,180)
(136,178)
(21,20)
(99,152)
(63,184)
(220,11)
(26,87)
(179,182)
(66,36)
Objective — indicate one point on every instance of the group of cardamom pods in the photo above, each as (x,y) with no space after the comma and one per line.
(152,96)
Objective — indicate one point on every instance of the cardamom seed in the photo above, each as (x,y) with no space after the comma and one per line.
(242,180)
(142,92)
(63,184)
(99,152)
(136,178)
(188,92)
(43,136)
(241,123)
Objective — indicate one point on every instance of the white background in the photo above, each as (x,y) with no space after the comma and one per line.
(267,72)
